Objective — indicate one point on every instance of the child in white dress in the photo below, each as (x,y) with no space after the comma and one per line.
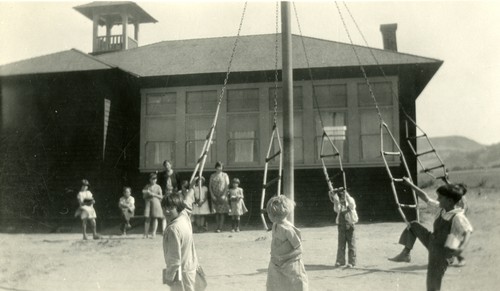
(86,210)
(200,207)
(237,204)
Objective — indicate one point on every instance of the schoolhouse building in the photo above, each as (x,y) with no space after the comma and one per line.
(115,114)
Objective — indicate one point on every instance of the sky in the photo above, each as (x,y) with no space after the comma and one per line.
(461,99)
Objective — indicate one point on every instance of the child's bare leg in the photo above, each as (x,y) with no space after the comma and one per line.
(84,228)
(146,226)
(237,223)
(202,221)
(163,224)
(217,220)
(222,219)
(93,225)
(155,227)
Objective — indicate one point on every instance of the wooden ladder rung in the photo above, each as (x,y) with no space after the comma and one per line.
(397,180)
(425,153)
(418,136)
(392,153)
(408,205)
(330,155)
(433,168)
(265,186)
(273,156)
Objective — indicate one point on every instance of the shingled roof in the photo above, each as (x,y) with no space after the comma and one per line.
(254,53)
(66,61)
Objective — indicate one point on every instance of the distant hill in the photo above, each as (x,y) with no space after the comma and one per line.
(459,152)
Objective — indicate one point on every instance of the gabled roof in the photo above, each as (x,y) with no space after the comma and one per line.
(254,53)
(66,61)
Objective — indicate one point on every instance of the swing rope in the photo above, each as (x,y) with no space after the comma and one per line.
(384,127)
(200,164)
(325,137)
(275,135)
(417,155)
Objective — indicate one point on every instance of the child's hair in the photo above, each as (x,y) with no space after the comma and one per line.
(85,182)
(173,200)
(165,162)
(279,207)
(453,191)
(185,183)
(153,176)
(235,181)
(125,188)
(219,164)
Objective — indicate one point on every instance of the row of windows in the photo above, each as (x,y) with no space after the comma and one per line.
(242,145)
(247,100)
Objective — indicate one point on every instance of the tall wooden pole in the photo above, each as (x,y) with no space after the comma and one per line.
(287,75)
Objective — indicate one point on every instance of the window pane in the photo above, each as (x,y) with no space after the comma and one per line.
(330,96)
(201,101)
(297,123)
(243,143)
(297,98)
(194,149)
(160,129)
(157,152)
(298,144)
(370,123)
(335,126)
(381,90)
(243,100)
(160,103)
(197,128)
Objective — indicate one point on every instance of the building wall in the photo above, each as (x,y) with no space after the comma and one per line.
(52,137)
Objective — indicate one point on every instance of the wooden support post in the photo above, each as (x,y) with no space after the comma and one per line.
(287,75)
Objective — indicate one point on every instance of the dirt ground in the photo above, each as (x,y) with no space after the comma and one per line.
(238,261)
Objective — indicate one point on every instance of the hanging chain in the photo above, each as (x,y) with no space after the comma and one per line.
(372,95)
(233,53)
(275,116)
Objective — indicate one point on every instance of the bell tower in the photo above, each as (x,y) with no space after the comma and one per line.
(108,14)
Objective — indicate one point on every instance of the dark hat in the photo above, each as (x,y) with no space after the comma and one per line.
(453,191)
(85,182)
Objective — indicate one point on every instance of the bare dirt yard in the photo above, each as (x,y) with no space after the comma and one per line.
(238,261)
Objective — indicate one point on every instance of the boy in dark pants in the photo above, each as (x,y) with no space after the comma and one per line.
(345,206)
(450,236)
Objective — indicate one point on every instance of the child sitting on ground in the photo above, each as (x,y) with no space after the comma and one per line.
(286,270)
(127,207)
(236,203)
(345,207)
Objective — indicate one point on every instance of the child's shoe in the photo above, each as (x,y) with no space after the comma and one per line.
(233,230)
(404,256)
(237,229)
(338,264)
(461,263)
(350,266)
(96,236)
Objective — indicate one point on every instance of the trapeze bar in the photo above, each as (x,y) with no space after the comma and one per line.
(427,152)
(408,205)
(392,153)
(273,156)
(202,156)
(433,168)
(418,136)
(330,155)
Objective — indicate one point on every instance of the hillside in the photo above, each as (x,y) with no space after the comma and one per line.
(459,152)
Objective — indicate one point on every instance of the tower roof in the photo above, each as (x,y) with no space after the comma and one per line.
(112,9)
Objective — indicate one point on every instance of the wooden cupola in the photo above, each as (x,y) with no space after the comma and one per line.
(109,14)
